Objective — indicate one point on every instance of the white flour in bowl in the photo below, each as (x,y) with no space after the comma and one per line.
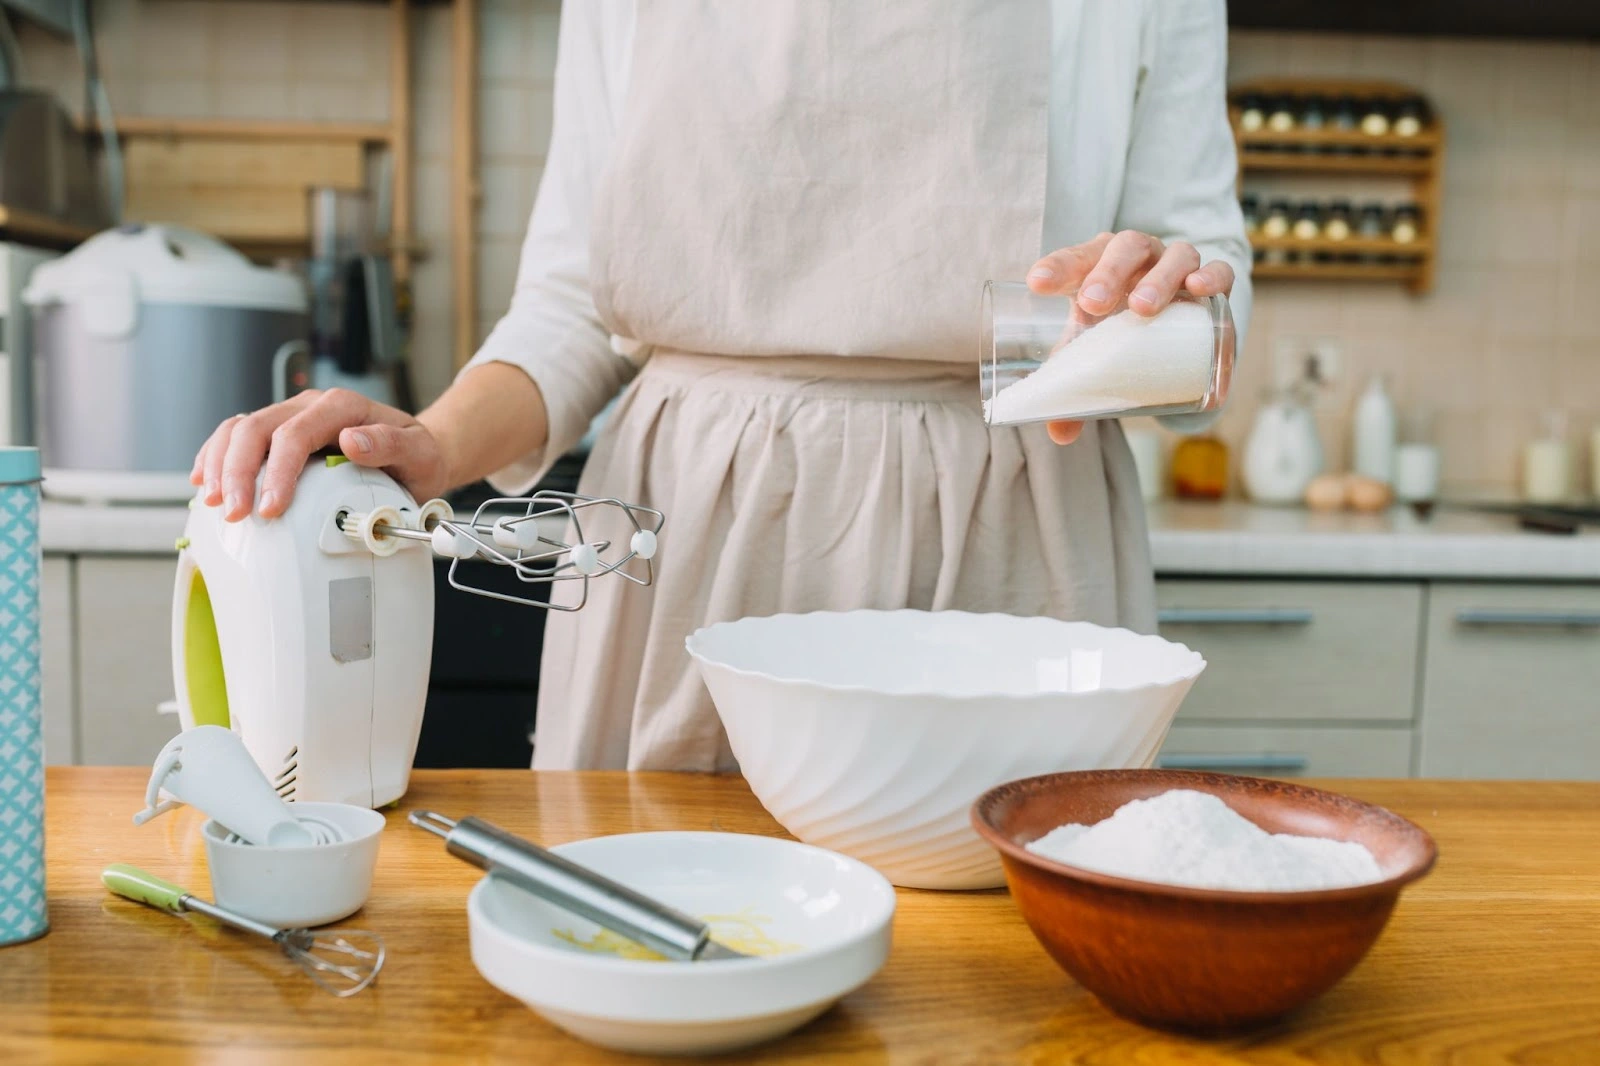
(1124,363)
(1194,839)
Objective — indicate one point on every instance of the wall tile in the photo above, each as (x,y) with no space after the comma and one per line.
(253,99)
(505,122)
(508,191)
(503,30)
(497,273)
(176,99)
(175,38)
(252,41)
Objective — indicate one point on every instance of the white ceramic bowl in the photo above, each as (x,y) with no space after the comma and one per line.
(836,911)
(291,887)
(872,733)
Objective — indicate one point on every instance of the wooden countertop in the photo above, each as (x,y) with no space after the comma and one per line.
(1493,958)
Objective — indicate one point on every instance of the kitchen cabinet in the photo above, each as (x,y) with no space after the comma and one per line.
(1302,651)
(1290,751)
(1511,685)
(123,637)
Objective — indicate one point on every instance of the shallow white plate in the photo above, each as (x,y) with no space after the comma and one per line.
(835,911)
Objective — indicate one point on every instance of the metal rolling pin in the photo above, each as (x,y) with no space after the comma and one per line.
(576,888)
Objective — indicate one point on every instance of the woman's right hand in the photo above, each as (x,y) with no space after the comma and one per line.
(282,437)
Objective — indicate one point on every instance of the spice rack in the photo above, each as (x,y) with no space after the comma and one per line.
(1417,159)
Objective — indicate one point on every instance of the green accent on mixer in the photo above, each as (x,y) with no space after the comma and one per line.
(202,658)
(130,882)
(180,544)
(335,460)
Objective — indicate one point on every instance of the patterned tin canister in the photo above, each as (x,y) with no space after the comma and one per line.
(22,904)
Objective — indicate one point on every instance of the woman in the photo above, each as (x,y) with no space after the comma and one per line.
(774,219)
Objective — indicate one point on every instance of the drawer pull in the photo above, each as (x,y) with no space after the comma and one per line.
(1227,763)
(1484,616)
(1241,616)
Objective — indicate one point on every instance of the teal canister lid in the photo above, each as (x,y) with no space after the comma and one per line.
(18,465)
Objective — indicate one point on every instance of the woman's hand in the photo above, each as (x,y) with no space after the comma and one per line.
(282,437)
(1132,265)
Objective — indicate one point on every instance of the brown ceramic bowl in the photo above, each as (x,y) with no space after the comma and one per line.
(1192,959)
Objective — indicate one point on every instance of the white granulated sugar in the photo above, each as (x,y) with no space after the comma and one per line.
(1124,363)
(1194,839)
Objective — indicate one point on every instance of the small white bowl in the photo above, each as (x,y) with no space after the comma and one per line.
(835,910)
(293,887)
(872,733)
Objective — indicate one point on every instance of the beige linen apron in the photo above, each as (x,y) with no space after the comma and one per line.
(803,201)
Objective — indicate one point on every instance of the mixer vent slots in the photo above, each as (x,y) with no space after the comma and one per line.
(284,782)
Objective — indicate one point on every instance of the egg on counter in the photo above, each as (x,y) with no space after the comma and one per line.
(1328,492)
(1368,495)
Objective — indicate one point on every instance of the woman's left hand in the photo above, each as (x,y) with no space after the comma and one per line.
(1132,265)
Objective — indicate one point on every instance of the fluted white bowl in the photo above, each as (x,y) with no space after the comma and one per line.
(872,733)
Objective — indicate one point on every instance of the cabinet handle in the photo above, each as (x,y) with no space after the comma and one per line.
(1232,762)
(1237,616)
(1487,616)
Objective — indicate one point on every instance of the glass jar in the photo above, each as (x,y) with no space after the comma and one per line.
(1307,222)
(1250,209)
(1200,468)
(1375,117)
(1337,226)
(1276,224)
(1410,116)
(1344,117)
(1313,112)
(1252,112)
(1280,119)
(1044,359)
(1404,228)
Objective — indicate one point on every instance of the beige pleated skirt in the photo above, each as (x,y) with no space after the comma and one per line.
(804,484)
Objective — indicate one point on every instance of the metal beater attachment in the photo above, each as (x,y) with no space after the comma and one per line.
(540,538)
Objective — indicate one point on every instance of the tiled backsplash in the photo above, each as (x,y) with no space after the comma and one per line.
(330,61)
(1510,330)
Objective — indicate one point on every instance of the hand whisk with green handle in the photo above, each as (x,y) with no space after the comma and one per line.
(342,961)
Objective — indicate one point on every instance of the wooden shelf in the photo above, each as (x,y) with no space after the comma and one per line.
(1416,249)
(25,227)
(1423,142)
(1315,162)
(242,129)
(1419,159)
(1341,271)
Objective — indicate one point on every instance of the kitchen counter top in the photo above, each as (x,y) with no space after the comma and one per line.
(1194,538)
(1186,539)
(1491,958)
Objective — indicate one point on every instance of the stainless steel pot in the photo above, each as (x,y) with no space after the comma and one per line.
(147,338)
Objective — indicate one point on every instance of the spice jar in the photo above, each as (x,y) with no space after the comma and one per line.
(1307,222)
(1344,115)
(1280,119)
(1276,224)
(1252,112)
(1372,226)
(1200,468)
(1313,113)
(1410,116)
(1375,118)
(1043,359)
(1337,227)
(1250,209)
(1403,230)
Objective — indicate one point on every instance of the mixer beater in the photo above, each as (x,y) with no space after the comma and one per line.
(540,538)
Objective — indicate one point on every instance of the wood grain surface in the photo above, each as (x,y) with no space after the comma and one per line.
(1495,958)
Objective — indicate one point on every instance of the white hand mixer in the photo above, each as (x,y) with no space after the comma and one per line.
(311,635)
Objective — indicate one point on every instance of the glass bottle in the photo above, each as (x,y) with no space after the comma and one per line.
(1250,208)
(1200,468)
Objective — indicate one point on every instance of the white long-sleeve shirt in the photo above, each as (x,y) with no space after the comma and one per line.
(1138,139)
